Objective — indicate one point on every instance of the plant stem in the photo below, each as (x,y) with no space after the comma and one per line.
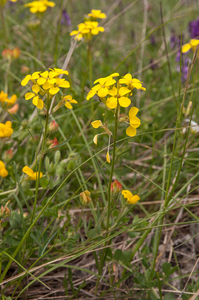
(103,257)
(3,25)
(112,168)
(90,73)
(41,158)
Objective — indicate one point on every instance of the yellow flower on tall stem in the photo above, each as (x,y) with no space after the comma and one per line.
(118,97)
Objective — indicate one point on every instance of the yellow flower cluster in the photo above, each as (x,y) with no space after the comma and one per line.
(107,87)
(39,6)
(45,84)
(90,27)
(5,101)
(6,129)
(118,96)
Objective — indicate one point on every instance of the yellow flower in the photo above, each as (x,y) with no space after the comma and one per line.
(36,100)
(118,97)
(6,129)
(39,6)
(97,124)
(68,100)
(191,45)
(32,175)
(96,14)
(29,77)
(49,81)
(103,86)
(3,171)
(130,198)
(86,30)
(134,122)
(132,82)
(4,99)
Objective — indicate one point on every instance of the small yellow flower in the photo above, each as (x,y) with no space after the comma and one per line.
(118,97)
(87,30)
(96,14)
(191,45)
(132,82)
(68,100)
(34,94)
(39,6)
(29,77)
(6,129)
(130,198)
(134,122)
(3,171)
(97,124)
(4,99)
(32,175)
(103,86)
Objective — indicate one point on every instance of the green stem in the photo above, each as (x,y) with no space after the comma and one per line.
(41,158)
(3,25)
(103,257)
(90,73)
(112,168)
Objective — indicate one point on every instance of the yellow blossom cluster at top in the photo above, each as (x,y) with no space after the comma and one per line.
(90,27)
(115,94)
(39,6)
(47,84)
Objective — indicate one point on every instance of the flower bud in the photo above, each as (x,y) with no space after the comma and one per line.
(13,109)
(8,155)
(116,187)
(53,143)
(85,197)
(25,69)
(53,126)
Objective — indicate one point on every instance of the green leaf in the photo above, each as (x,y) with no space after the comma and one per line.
(126,257)
(118,255)
(166,267)
(44,182)
(169,296)
(92,233)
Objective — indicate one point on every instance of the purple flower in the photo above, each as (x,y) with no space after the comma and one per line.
(152,40)
(184,68)
(173,41)
(194,29)
(65,19)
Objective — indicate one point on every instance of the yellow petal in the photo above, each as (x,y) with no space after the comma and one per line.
(26,80)
(124,101)
(35,88)
(96,124)
(130,131)
(133,199)
(127,194)
(108,158)
(133,112)
(28,171)
(102,92)
(186,48)
(135,122)
(111,102)
(95,139)
(28,96)
(3,172)
(54,90)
